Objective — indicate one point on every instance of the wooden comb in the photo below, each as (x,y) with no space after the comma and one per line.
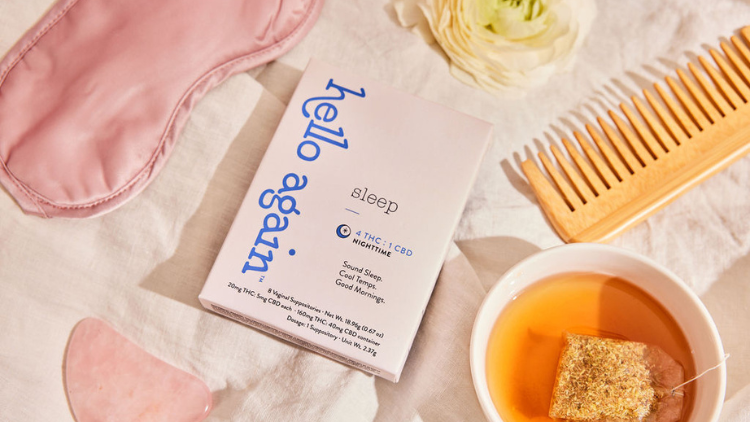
(666,149)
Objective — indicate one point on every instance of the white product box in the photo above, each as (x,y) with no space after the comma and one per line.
(342,234)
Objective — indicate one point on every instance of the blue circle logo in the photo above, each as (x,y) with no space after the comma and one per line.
(343,231)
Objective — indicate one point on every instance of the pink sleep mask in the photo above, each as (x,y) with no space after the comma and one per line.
(93,97)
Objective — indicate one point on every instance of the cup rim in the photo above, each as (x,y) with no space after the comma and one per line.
(485,315)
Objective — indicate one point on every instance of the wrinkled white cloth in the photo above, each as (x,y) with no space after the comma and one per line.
(141,267)
(736,408)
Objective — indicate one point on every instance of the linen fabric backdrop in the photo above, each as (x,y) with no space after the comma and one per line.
(141,267)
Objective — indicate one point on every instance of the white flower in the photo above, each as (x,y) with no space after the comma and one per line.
(502,45)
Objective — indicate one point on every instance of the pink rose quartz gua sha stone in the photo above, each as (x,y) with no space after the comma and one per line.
(93,97)
(109,378)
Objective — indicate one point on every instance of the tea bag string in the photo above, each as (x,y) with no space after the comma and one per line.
(674,389)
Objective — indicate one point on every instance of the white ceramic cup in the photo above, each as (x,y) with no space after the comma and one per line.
(660,283)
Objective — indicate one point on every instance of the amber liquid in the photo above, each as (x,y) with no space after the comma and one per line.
(526,341)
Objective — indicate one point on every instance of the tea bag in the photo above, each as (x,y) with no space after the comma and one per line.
(607,380)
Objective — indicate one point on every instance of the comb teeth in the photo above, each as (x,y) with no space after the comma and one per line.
(615,177)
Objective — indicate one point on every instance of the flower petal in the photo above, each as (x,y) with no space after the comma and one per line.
(506,53)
